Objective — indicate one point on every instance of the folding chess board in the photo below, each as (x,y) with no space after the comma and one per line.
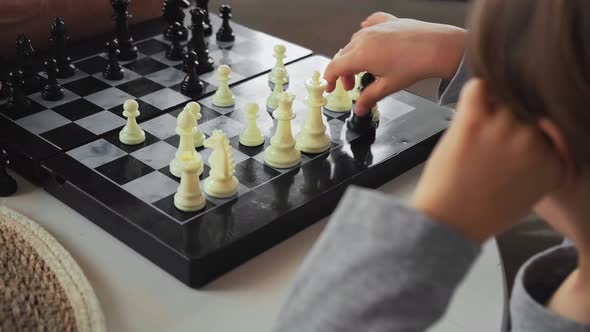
(128,190)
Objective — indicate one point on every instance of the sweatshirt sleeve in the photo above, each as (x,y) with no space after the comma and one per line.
(449,91)
(378,266)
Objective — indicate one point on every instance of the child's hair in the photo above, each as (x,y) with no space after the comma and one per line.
(534,56)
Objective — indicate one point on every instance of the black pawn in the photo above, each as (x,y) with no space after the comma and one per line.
(175,50)
(198,44)
(17,100)
(173,12)
(113,70)
(52,89)
(121,17)
(8,185)
(191,85)
(207,27)
(363,125)
(225,33)
(25,54)
(58,39)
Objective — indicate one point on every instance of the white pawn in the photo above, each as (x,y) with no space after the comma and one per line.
(195,109)
(184,128)
(312,138)
(272,102)
(339,100)
(279,54)
(281,153)
(189,196)
(131,134)
(223,97)
(356,92)
(251,136)
(221,183)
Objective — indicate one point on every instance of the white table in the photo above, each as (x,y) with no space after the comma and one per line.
(136,295)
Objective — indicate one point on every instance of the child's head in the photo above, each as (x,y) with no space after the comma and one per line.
(534,56)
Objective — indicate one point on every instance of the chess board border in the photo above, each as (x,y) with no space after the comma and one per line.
(198,251)
(28,149)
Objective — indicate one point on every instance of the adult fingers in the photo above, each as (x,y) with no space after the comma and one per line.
(377,18)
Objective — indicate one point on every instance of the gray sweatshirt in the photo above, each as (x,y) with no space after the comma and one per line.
(373,269)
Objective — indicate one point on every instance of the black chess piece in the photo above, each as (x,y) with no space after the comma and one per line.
(17,100)
(197,43)
(121,16)
(52,89)
(225,33)
(8,185)
(113,70)
(25,54)
(175,51)
(173,12)
(207,27)
(363,125)
(58,39)
(191,85)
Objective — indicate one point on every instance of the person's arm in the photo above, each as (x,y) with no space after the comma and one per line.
(373,269)
(83,18)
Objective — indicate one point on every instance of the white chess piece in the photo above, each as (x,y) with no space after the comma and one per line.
(221,182)
(272,102)
(131,134)
(223,97)
(281,153)
(251,136)
(356,92)
(195,109)
(189,196)
(339,100)
(279,54)
(312,138)
(184,128)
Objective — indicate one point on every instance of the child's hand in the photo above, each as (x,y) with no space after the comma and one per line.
(488,170)
(399,52)
(377,18)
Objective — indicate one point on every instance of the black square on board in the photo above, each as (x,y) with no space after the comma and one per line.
(252,173)
(124,169)
(69,136)
(166,204)
(146,110)
(140,87)
(77,109)
(151,46)
(93,65)
(16,114)
(113,138)
(145,66)
(86,86)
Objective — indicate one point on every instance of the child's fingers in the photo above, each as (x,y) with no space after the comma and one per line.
(344,65)
(370,96)
(376,18)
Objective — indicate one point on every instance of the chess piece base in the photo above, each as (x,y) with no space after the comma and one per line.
(130,138)
(251,141)
(311,144)
(221,188)
(190,203)
(281,159)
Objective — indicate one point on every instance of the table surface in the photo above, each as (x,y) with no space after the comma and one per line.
(136,295)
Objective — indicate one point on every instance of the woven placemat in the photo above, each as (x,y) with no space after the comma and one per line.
(41,286)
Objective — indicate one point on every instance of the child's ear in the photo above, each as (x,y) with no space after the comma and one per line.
(555,135)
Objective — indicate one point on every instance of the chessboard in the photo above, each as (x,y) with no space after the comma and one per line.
(92,105)
(129,191)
